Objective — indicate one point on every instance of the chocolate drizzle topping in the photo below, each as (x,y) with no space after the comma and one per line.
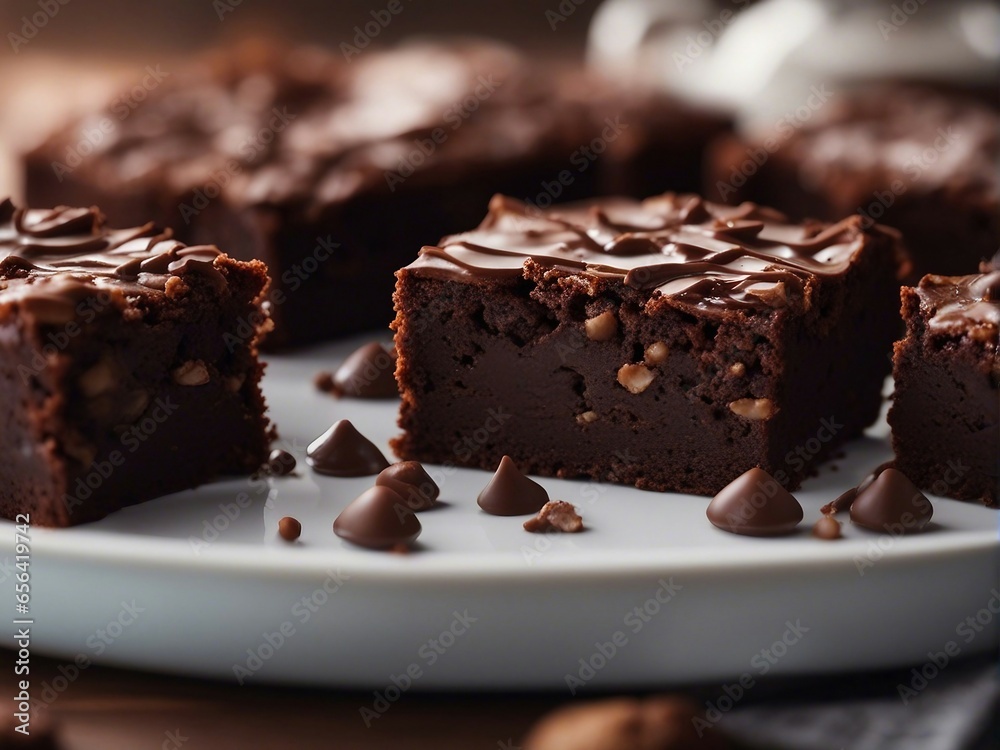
(692,252)
(958,303)
(59,252)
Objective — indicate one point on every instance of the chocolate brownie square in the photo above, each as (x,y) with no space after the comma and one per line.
(298,158)
(670,344)
(128,365)
(921,161)
(945,415)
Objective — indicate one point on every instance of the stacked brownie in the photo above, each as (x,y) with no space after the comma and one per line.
(924,162)
(331,171)
(671,344)
(945,416)
(128,365)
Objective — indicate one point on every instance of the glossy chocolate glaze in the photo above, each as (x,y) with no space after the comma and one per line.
(696,253)
(48,256)
(958,303)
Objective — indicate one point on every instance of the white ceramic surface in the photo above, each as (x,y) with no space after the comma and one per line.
(199,583)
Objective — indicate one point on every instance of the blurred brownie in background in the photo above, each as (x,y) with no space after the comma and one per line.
(922,161)
(334,171)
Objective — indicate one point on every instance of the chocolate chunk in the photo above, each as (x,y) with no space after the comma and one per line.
(510,493)
(755,504)
(280,463)
(289,528)
(826,527)
(658,723)
(342,451)
(379,519)
(410,480)
(367,373)
(893,504)
(555,515)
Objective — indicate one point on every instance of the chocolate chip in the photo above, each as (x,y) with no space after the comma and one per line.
(827,527)
(280,463)
(866,482)
(555,515)
(510,493)
(755,504)
(410,480)
(893,504)
(342,451)
(289,528)
(367,373)
(378,519)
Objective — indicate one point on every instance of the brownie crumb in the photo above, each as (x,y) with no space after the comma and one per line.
(827,527)
(401,548)
(280,463)
(555,515)
(289,528)
(324,382)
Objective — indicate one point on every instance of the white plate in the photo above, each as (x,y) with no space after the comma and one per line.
(484,604)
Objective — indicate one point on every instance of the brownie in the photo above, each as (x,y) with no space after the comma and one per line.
(670,344)
(128,365)
(921,161)
(945,415)
(330,169)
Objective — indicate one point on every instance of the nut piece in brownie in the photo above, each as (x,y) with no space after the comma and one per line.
(945,415)
(671,344)
(296,157)
(126,369)
(921,161)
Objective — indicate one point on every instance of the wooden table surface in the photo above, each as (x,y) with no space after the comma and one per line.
(108,709)
(116,709)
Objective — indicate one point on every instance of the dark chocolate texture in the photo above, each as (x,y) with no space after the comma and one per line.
(671,344)
(945,416)
(128,365)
